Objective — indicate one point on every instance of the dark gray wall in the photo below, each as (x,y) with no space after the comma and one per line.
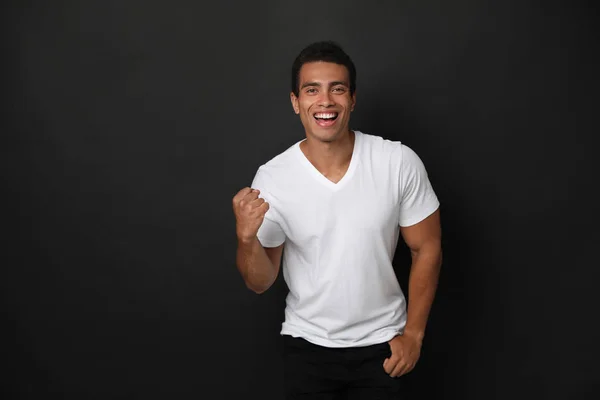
(129,125)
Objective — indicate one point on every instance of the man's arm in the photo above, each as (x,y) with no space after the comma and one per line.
(424,241)
(258,265)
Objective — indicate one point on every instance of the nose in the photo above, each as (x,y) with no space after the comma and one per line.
(326,99)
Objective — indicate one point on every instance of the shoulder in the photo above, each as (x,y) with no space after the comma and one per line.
(409,158)
(387,152)
(378,148)
(377,143)
(279,166)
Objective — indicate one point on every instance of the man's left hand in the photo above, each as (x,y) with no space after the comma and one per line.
(406,350)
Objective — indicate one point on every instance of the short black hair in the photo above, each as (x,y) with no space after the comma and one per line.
(327,51)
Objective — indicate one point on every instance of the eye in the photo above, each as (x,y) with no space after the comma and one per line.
(339,89)
(311,90)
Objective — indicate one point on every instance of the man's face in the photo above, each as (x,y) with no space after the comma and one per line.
(324,102)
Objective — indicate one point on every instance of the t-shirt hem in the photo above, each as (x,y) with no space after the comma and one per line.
(423,213)
(385,336)
(266,243)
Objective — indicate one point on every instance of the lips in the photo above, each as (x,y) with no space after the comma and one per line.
(325,119)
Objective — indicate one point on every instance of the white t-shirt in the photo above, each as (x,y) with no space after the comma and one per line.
(340,239)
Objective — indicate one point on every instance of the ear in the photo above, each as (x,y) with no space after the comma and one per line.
(294,101)
(353,101)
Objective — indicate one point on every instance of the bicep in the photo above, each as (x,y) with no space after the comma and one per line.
(424,234)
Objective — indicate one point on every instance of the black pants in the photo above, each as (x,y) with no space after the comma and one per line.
(316,372)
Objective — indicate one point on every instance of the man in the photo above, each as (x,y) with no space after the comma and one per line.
(338,201)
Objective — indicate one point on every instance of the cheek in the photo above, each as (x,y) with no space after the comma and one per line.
(305,109)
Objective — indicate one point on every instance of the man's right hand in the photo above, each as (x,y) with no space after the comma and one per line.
(249,212)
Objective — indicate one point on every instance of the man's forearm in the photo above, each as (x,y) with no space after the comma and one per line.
(423,281)
(254,265)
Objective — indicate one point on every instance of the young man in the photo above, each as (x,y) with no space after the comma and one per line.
(338,201)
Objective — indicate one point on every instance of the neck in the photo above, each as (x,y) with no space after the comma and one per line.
(329,156)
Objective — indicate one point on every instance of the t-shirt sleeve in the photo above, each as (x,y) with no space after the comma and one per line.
(417,197)
(270,233)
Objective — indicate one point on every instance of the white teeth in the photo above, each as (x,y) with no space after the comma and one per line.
(325,115)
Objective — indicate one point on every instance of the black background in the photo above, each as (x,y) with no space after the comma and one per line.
(128,126)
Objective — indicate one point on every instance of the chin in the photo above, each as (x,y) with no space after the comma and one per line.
(326,136)
(331,135)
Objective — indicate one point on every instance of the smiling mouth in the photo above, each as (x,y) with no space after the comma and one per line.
(325,118)
(329,116)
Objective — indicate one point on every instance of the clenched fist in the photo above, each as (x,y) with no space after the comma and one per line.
(249,212)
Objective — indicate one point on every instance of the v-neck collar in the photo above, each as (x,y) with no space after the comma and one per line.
(322,178)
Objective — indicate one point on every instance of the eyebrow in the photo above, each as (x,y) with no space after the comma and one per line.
(319,85)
